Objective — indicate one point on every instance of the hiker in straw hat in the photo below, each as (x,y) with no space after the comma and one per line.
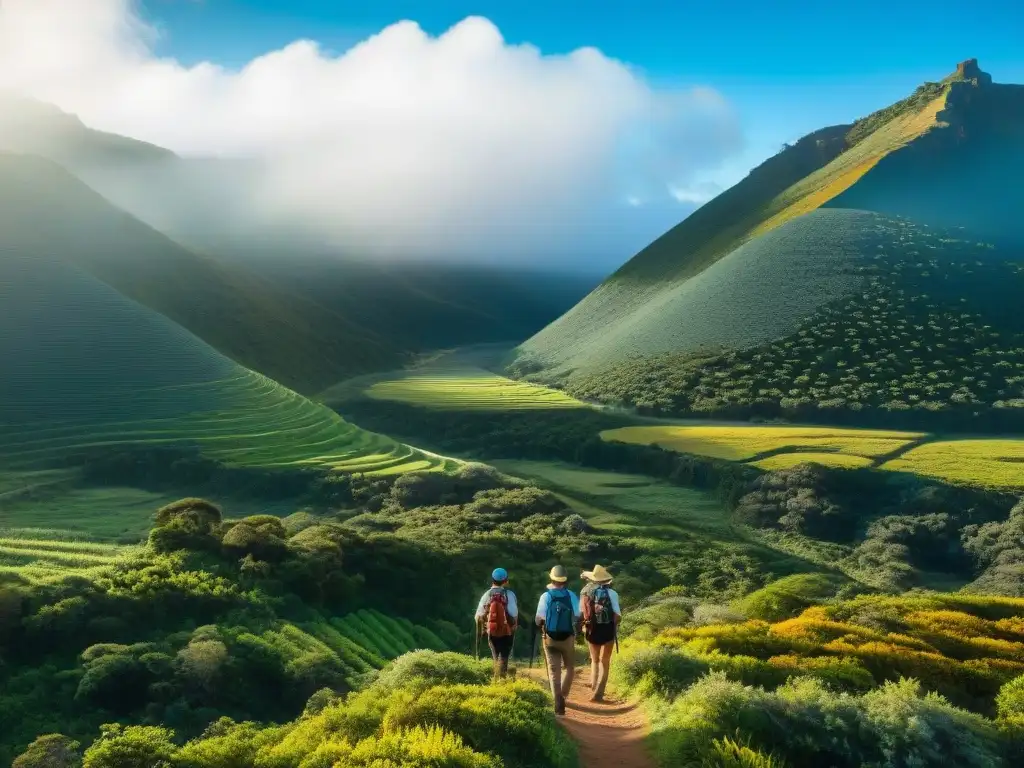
(558,616)
(601,616)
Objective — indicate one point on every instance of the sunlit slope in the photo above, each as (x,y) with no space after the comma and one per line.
(48,213)
(987,463)
(84,367)
(467,388)
(965,175)
(934,156)
(760,291)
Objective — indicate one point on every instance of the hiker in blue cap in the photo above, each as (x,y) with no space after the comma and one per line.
(497,616)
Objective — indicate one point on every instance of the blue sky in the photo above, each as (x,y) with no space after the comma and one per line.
(789,67)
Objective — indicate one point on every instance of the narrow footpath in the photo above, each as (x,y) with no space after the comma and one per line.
(609,734)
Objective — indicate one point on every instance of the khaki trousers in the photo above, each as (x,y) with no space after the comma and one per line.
(561,657)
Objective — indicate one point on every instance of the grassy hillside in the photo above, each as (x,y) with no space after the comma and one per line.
(881,287)
(46,212)
(87,369)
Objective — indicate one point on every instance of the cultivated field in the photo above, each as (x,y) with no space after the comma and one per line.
(248,420)
(992,463)
(39,554)
(988,463)
(459,387)
(94,370)
(741,443)
(788,460)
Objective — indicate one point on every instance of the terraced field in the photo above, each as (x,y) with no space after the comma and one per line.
(992,463)
(741,443)
(357,643)
(87,368)
(38,554)
(461,387)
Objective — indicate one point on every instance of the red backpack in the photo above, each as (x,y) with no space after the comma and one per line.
(497,619)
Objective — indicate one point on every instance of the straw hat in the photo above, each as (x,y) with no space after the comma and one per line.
(558,575)
(599,574)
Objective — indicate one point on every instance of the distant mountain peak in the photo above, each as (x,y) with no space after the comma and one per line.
(969,70)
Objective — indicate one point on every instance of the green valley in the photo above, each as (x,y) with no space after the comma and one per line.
(252,488)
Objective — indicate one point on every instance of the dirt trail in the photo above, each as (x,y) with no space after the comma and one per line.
(609,734)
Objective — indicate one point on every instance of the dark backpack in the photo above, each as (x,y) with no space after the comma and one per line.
(497,619)
(559,622)
(600,604)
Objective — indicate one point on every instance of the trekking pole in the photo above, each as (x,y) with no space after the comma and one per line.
(616,637)
(533,645)
(476,639)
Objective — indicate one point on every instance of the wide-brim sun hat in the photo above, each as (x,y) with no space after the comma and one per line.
(558,574)
(499,574)
(599,574)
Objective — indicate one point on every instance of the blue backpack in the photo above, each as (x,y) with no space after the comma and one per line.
(559,623)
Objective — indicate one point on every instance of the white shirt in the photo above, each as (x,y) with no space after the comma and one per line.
(545,601)
(613,596)
(512,607)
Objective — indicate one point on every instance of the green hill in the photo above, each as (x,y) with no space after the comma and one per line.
(45,210)
(85,367)
(868,269)
(265,297)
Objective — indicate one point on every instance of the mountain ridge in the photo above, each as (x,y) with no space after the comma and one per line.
(908,198)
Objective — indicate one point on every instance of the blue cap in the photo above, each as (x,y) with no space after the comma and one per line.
(499,574)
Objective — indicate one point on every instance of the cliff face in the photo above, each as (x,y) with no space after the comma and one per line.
(963,172)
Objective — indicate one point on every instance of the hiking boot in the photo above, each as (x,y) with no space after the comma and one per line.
(597,698)
(560,707)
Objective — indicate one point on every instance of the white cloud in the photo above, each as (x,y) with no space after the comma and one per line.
(696,193)
(459,145)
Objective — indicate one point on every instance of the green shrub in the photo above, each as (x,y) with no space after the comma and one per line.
(726,753)
(513,721)
(788,596)
(647,670)
(53,750)
(117,682)
(421,669)
(658,612)
(133,746)
(431,746)
(1010,700)
(808,724)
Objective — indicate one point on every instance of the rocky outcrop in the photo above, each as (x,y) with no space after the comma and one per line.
(970,71)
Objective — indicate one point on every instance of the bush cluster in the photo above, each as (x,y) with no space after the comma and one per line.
(932,341)
(923,680)
(427,709)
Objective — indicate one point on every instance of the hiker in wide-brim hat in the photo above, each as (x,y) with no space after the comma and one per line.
(599,575)
(558,615)
(601,617)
